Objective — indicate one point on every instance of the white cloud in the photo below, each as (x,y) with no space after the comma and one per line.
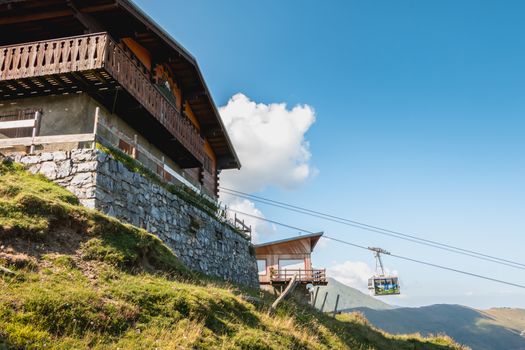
(354,274)
(245,206)
(270,142)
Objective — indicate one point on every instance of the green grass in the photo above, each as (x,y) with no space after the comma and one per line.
(86,281)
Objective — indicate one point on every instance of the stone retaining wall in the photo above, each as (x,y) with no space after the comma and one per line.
(197,238)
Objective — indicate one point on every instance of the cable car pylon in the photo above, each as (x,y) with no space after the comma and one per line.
(382,284)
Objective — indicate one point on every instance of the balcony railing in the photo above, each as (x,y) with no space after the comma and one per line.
(44,65)
(315,276)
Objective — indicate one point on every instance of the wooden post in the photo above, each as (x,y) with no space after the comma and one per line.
(95,126)
(315,296)
(324,301)
(336,303)
(134,149)
(35,129)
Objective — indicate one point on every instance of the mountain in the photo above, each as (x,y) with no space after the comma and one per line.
(495,329)
(349,298)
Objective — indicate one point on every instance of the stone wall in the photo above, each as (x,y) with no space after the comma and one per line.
(197,238)
(75,170)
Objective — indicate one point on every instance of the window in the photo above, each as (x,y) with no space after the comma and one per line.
(261,266)
(291,264)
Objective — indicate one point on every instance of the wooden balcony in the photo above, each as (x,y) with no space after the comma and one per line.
(98,65)
(314,276)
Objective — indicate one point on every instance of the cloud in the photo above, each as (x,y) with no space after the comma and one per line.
(270,142)
(245,206)
(354,274)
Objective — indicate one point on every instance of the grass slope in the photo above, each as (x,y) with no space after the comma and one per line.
(81,280)
(474,328)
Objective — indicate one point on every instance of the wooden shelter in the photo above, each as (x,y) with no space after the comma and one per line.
(279,261)
(149,91)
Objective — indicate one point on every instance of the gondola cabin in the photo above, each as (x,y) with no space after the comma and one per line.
(384,285)
(381,283)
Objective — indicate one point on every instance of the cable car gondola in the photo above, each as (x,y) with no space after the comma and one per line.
(381,284)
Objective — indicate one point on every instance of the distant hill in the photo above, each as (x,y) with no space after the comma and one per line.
(492,329)
(349,298)
(508,317)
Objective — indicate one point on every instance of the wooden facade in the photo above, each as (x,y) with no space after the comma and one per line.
(279,261)
(112,51)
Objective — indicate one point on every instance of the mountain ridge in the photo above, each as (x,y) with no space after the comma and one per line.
(492,329)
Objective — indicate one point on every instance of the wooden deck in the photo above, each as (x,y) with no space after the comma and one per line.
(314,276)
(96,63)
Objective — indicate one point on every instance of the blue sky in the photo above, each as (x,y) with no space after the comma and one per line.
(419,110)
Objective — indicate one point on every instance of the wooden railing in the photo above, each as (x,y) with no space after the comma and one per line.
(50,57)
(311,276)
(99,52)
(131,77)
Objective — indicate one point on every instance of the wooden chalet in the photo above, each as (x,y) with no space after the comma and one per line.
(75,72)
(279,261)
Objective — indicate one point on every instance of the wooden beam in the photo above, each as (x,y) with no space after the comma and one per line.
(27,123)
(42,140)
(90,23)
(35,17)
(42,15)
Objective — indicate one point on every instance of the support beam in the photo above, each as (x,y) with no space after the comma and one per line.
(289,289)
(90,23)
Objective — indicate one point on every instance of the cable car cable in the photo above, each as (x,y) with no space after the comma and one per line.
(433,265)
(376,229)
(499,261)
(393,255)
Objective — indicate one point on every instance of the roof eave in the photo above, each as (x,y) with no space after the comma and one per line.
(174,44)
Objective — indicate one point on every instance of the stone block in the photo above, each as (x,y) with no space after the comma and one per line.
(49,170)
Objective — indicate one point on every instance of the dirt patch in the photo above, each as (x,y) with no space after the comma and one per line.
(61,240)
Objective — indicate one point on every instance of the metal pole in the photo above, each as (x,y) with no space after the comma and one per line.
(336,303)
(315,296)
(380,263)
(324,301)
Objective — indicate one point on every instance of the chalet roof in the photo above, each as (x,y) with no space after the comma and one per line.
(30,20)
(312,238)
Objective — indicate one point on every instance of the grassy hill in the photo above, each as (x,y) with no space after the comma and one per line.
(72,278)
(349,298)
(495,329)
